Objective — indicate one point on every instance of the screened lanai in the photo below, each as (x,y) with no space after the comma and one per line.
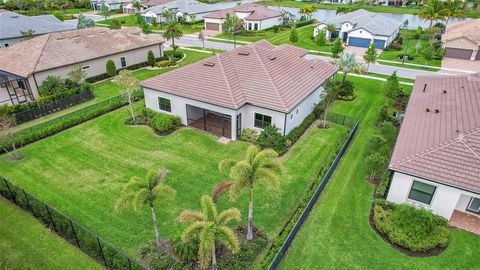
(14,89)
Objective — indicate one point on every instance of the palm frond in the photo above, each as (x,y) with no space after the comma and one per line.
(140,198)
(209,208)
(135,183)
(192,231)
(252,152)
(206,241)
(266,155)
(267,177)
(123,202)
(241,170)
(235,189)
(164,191)
(191,216)
(161,175)
(230,214)
(226,165)
(221,188)
(274,166)
(228,237)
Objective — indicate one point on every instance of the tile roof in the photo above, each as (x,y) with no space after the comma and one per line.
(260,74)
(373,22)
(65,48)
(469,29)
(443,145)
(258,12)
(183,6)
(13,24)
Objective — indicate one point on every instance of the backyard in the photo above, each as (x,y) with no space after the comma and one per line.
(337,234)
(131,21)
(30,245)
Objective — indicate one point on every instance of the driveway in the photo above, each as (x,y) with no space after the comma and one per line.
(452,65)
(359,51)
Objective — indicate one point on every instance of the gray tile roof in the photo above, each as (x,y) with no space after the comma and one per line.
(373,22)
(184,6)
(13,23)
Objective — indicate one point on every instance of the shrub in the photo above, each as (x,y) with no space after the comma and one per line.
(249,135)
(408,56)
(303,23)
(161,123)
(392,86)
(150,58)
(52,85)
(271,138)
(383,186)
(320,40)
(293,35)
(297,132)
(156,259)
(115,24)
(244,258)
(186,251)
(346,89)
(415,229)
(276,28)
(394,46)
(59,15)
(111,68)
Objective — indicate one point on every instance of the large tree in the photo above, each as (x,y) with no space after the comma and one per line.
(371,55)
(346,62)
(172,31)
(258,167)
(231,26)
(128,85)
(327,97)
(454,9)
(210,228)
(432,10)
(146,191)
(307,10)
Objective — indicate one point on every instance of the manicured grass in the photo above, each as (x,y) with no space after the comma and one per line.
(387,76)
(131,21)
(27,244)
(107,89)
(337,234)
(399,64)
(82,171)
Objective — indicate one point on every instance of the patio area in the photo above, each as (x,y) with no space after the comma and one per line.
(215,123)
(465,221)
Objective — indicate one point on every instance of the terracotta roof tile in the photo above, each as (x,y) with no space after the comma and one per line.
(442,146)
(469,29)
(258,12)
(261,74)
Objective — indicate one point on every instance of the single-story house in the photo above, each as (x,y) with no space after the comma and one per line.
(24,66)
(111,4)
(254,16)
(13,24)
(462,40)
(249,87)
(436,160)
(184,8)
(129,8)
(360,28)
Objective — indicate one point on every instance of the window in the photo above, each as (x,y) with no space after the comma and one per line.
(6,45)
(123,61)
(474,205)
(21,84)
(255,26)
(296,112)
(291,116)
(262,121)
(422,192)
(164,104)
(85,67)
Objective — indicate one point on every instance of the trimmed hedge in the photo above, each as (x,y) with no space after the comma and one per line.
(161,123)
(417,230)
(300,24)
(383,186)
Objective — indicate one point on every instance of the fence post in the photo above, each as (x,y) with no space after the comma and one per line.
(129,263)
(74,233)
(50,216)
(101,252)
(28,203)
(11,193)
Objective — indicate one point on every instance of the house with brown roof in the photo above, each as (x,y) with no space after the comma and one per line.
(462,40)
(25,65)
(436,160)
(254,17)
(250,87)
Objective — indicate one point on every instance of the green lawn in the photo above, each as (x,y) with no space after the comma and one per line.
(337,234)
(82,170)
(26,244)
(131,21)
(107,89)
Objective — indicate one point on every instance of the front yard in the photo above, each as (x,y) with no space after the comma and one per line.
(337,234)
(82,170)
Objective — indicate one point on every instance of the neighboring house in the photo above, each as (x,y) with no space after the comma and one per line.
(360,28)
(254,16)
(24,66)
(250,87)
(180,8)
(462,40)
(12,25)
(129,8)
(111,4)
(436,160)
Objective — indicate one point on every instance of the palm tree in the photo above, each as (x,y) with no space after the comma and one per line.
(330,28)
(258,166)
(145,191)
(172,31)
(167,14)
(431,11)
(454,9)
(346,62)
(231,26)
(210,227)
(137,5)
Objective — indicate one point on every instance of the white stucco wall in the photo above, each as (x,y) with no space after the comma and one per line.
(268,23)
(302,110)
(248,117)
(210,20)
(445,199)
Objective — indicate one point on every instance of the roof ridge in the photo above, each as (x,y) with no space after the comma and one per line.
(227,82)
(41,52)
(439,147)
(270,78)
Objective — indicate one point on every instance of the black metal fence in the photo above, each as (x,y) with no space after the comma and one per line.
(342,119)
(46,109)
(85,240)
(288,241)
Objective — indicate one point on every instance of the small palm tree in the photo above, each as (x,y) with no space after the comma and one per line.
(172,31)
(330,28)
(346,62)
(258,166)
(167,14)
(210,228)
(146,191)
(432,10)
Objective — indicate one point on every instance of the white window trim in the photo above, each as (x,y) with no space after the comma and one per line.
(254,112)
(158,105)
(412,201)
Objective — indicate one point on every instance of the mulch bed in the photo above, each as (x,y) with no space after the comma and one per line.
(429,253)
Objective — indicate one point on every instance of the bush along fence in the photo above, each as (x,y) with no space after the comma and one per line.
(85,240)
(282,242)
(51,127)
(34,113)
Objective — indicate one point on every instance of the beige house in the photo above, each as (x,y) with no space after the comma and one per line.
(24,66)
(462,40)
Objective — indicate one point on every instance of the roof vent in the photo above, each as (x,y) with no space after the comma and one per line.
(243,53)
(437,110)
(273,58)
(424,87)
(444,91)
(209,64)
(427,109)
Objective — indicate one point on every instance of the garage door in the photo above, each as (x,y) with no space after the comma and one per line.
(379,44)
(212,26)
(359,42)
(458,53)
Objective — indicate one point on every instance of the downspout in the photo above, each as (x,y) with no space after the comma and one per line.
(285,124)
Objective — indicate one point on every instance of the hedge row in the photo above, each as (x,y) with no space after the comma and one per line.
(300,24)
